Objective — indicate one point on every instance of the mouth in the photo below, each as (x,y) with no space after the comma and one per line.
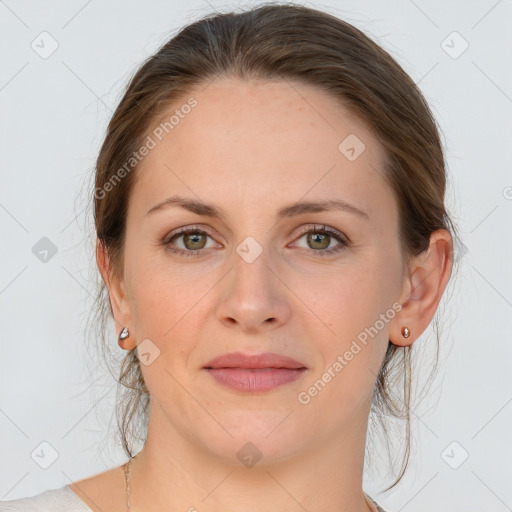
(254,373)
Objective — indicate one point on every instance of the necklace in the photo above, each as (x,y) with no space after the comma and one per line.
(126,467)
(127,478)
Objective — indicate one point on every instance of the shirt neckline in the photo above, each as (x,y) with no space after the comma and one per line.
(82,503)
(77,500)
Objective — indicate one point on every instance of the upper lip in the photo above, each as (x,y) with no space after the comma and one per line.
(264,360)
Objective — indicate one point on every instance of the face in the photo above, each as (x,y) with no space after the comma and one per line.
(317,285)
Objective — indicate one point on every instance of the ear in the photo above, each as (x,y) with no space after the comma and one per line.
(423,288)
(119,302)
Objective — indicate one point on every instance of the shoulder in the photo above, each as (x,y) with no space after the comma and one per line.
(54,500)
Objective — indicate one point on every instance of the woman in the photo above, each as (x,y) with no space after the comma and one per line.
(271,228)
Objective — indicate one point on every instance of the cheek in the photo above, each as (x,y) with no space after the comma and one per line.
(166,309)
(162,294)
(354,345)
(354,309)
(351,298)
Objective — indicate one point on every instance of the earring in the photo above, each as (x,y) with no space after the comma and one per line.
(406,332)
(123,335)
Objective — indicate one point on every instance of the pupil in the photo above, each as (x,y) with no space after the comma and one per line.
(194,240)
(323,238)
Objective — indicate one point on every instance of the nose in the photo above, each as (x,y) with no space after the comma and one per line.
(253,298)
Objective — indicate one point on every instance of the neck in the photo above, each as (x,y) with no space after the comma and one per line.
(172,471)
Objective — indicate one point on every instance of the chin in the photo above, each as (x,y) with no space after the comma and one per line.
(257,438)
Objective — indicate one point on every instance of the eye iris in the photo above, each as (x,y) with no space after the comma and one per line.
(313,238)
(193,238)
(316,239)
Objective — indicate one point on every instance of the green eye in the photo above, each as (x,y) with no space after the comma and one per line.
(319,238)
(194,241)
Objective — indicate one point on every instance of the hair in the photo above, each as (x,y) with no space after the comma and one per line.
(277,42)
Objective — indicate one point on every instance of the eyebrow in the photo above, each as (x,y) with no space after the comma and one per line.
(210,210)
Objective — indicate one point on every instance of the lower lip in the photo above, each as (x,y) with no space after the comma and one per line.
(253,380)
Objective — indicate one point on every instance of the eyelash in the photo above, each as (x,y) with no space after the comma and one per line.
(322,230)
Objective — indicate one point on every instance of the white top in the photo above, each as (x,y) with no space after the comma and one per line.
(55,500)
(64,500)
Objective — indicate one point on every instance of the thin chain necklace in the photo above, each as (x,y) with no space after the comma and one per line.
(126,467)
(127,478)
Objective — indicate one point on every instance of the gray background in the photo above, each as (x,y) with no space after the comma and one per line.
(54,114)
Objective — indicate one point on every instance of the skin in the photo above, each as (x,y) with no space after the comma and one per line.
(252,148)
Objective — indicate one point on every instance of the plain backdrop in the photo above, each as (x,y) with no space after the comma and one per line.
(56,97)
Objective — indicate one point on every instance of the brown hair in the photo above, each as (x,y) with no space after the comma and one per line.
(288,42)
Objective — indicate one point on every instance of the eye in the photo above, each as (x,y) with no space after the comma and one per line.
(193,241)
(320,238)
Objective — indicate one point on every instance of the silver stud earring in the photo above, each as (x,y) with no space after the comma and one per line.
(124,334)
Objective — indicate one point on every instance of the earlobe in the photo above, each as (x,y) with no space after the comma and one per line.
(427,280)
(406,332)
(119,304)
(402,335)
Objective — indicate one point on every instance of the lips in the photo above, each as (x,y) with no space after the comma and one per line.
(254,361)
(254,373)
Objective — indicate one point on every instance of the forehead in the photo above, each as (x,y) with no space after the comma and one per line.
(260,140)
